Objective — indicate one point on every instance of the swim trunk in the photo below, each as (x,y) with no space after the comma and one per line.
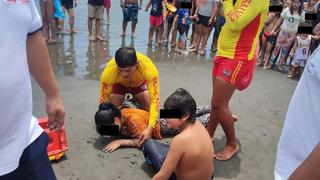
(107,4)
(130,12)
(298,62)
(237,73)
(203,20)
(155,20)
(95,11)
(270,39)
(122,90)
(67,4)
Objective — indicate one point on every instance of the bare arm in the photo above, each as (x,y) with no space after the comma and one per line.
(112,146)
(293,50)
(147,5)
(173,157)
(309,169)
(214,13)
(40,68)
(277,25)
(121,3)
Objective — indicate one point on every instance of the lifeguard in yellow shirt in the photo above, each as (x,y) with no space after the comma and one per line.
(234,63)
(132,72)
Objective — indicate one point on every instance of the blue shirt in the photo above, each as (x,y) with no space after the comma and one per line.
(183,14)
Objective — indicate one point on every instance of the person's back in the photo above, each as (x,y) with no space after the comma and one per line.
(199,153)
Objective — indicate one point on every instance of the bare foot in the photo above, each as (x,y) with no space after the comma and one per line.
(227,153)
(213,49)
(193,50)
(52,41)
(259,63)
(74,31)
(202,52)
(62,31)
(99,38)
(235,118)
(191,46)
(91,38)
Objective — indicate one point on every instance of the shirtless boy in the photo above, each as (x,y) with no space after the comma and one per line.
(269,39)
(190,155)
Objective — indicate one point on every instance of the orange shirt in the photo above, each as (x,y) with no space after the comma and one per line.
(239,37)
(137,120)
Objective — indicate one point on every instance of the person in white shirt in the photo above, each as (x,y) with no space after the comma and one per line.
(298,154)
(300,53)
(23,144)
(288,23)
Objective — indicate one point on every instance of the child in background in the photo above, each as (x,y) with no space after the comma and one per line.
(206,12)
(95,13)
(268,40)
(69,5)
(156,19)
(300,53)
(169,20)
(48,20)
(107,4)
(289,20)
(219,22)
(183,26)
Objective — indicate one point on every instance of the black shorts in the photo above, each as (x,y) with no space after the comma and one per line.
(203,20)
(271,39)
(68,4)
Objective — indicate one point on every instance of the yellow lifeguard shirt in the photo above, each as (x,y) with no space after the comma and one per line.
(146,72)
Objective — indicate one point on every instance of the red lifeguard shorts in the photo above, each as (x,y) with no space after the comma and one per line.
(122,90)
(236,72)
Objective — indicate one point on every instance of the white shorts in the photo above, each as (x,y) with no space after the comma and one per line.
(298,62)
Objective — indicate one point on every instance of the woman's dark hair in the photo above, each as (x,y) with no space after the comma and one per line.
(106,114)
(182,100)
(301,7)
(126,57)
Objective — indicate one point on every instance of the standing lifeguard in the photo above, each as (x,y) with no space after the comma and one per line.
(135,73)
(234,64)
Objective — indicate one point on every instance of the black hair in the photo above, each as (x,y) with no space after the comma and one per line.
(301,7)
(126,57)
(106,114)
(182,100)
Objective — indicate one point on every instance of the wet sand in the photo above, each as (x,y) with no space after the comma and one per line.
(78,64)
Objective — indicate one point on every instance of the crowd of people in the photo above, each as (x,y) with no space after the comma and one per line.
(239,26)
(190,24)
